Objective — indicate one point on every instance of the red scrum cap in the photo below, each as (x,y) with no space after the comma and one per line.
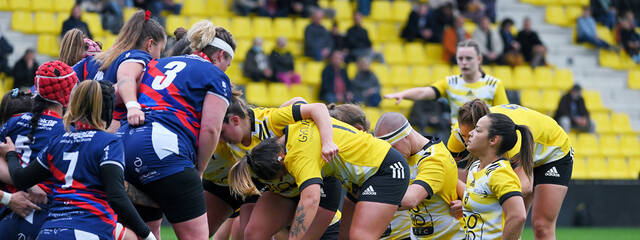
(54,81)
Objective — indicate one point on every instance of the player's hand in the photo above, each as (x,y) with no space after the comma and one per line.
(6,147)
(135,117)
(21,205)
(37,195)
(329,151)
(397,96)
(455,207)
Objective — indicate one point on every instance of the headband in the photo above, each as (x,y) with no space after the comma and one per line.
(398,134)
(219,43)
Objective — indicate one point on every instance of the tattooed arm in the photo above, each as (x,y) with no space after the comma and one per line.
(138,197)
(306,211)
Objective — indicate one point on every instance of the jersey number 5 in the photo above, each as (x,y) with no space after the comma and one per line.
(162,82)
(68,177)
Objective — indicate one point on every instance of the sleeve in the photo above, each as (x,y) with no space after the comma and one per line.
(500,96)
(112,178)
(138,57)
(304,159)
(455,144)
(220,86)
(431,175)
(24,178)
(113,154)
(78,68)
(504,183)
(441,87)
(279,118)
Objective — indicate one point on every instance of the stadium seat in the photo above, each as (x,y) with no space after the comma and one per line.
(22,21)
(592,100)
(241,28)
(381,10)
(235,74)
(45,22)
(215,8)
(580,170)
(296,48)
(618,168)
(4,6)
(372,30)
(257,93)
(382,72)
(300,25)
(42,5)
(60,18)
(283,27)
(550,100)
(609,146)
(194,8)
(400,76)
(523,77)
(175,21)
(394,53)
(626,62)
(94,23)
(602,121)
(193,20)
(598,168)
(530,98)
(222,22)
(414,53)
(563,79)
(109,40)
(373,114)
(279,94)
(312,73)
(434,54)
(556,15)
(633,79)
(63,5)
(242,47)
(504,74)
(629,146)
(268,45)
(343,9)
(588,145)
(469,26)
(352,70)
(48,44)
(262,27)
(439,72)
(634,168)
(128,13)
(420,76)
(20,5)
(301,90)
(620,123)
(387,32)
(542,77)
(401,11)
(609,59)
(605,34)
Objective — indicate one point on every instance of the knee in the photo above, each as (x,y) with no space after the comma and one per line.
(543,227)
(251,233)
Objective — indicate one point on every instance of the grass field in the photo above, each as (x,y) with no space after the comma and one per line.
(562,233)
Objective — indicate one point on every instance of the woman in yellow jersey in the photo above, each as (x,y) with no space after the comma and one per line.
(367,167)
(552,163)
(492,202)
(434,174)
(242,129)
(457,89)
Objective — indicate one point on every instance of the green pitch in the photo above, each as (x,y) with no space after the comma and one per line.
(562,233)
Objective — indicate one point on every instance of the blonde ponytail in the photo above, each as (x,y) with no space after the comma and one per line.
(240,182)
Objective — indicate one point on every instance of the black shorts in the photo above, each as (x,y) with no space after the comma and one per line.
(180,197)
(332,232)
(331,194)
(556,172)
(223,193)
(389,184)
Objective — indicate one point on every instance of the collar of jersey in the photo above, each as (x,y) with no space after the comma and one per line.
(432,141)
(51,113)
(252,119)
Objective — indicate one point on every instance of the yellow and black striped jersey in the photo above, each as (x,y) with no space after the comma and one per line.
(436,171)
(359,158)
(266,123)
(399,227)
(489,89)
(551,143)
(486,190)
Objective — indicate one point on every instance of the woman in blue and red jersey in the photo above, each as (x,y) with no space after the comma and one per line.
(183,100)
(86,166)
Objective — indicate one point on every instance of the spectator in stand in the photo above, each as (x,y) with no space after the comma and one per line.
(490,42)
(335,87)
(474,10)
(281,62)
(490,9)
(256,63)
(358,43)
(431,117)
(276,8)
(338,38)
(453,35)
(443,16)
(587,30)
(366,86)
(364,7)
(532,47)
(75,21)
(25,70)
(630,40)
(317,40)
(5,49)
(572,113)
(419,24)
(511,50)
(604,12)
(244,7)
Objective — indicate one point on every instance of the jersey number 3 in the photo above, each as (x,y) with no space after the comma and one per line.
(162,82)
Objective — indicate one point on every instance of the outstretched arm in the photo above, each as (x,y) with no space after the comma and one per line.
(419,93)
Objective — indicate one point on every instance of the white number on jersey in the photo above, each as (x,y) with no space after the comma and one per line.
(23,149)
(162,82)
(68,177)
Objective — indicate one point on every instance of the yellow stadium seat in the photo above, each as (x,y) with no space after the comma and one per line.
(620,123)
(401,10)
(382,72)
(45,23)
(504,74)
(20,5)
(598,168)
(4,6)
(530,98)
(283,27)
(60,18)
(42,5)
(394,53)
(618,169)
(588,144)
(175,21)
(63,5)
(128,13)
(343,9)
(542,77)
(414,52)
(268,45)
(235,74)
(602,121)
(262,27)
(372,30)
(243,46)
(296,48)
(634,168)
(550,100)
(434,54)
(300,90)
(381,10)
(556,15)
(193,20)
(222,22)
(94,23)
(373,114)
(216,8)
(439,72)
(22,21)
(605,34)
(387,32)
(48,44)
(609,59)
(609,146)
(257,93)
(352,70)
(573,13)
(629,146)
(193,8)
(300,25)
(580,170)
(110,39)
(420,76)
(279,94)
(523,77)
(469,26)
(626,62)
(400,76)
(592,100)
(312,73)
(241,28)
(563,79)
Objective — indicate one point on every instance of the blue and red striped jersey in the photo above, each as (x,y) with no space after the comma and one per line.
(79,200)
(89,67)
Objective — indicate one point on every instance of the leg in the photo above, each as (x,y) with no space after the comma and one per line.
(217,211)
(370,219)
(192,229)
(320,223)
(347,215)
(547,201)
(271,213)
(155,227)
(236,231)
(224,231)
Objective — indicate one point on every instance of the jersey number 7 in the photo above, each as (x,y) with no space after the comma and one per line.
(68,177)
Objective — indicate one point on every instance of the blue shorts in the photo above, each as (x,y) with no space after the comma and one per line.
(68,234)
(153,151)
(15,227)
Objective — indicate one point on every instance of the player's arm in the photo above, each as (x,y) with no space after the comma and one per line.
(320,115)
(414,195)
(515,216)
(294,100)
(419,93)
(22,178)
(306,211)
(213,111)
(428,181)
(127,89)
(4,172)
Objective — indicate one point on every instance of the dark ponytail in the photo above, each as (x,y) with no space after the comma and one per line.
(263,159)
(14,102)
(503,126)
(39,105)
